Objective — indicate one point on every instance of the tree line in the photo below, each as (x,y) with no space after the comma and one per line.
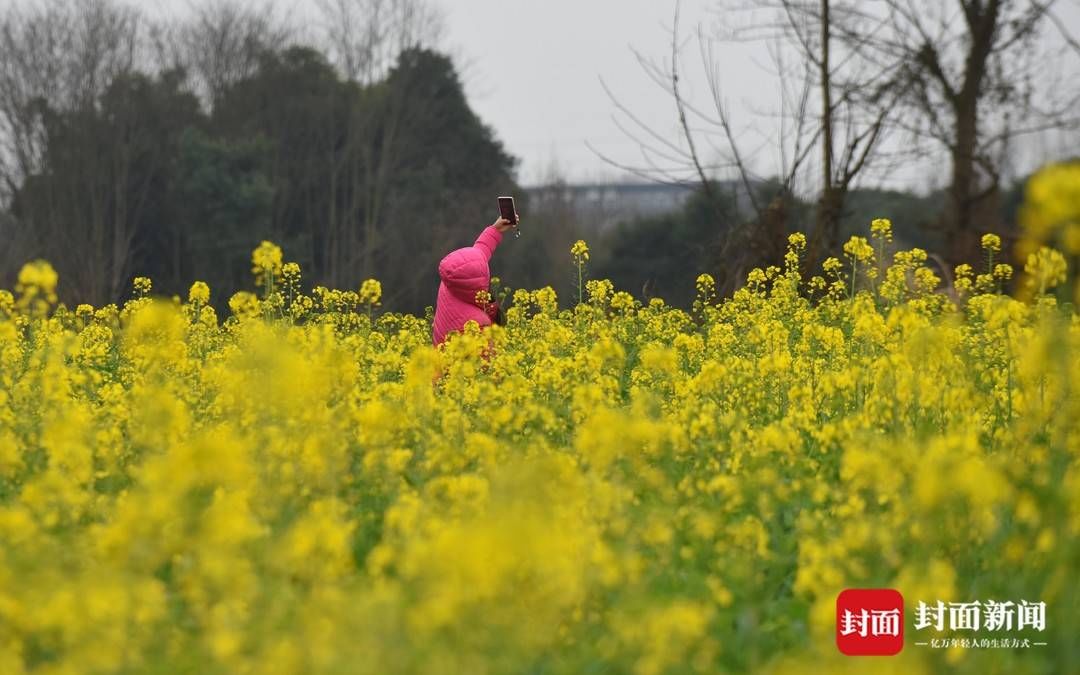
(133,147)
(133,144)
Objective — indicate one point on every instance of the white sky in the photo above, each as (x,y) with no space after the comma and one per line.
(533,71)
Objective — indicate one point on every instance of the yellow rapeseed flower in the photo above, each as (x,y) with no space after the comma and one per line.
(370,292)
(881,228)
(580,251)
(199,293)
(299,488)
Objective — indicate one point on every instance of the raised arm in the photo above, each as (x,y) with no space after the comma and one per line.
(489,240)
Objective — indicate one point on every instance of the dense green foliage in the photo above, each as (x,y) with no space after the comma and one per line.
(144,180)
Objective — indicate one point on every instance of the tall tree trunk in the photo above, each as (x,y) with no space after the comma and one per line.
(823,239)
(826,100)
(831,203)
(963,191)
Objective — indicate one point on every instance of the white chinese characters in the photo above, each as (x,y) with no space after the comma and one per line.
(988,615)
(874,622)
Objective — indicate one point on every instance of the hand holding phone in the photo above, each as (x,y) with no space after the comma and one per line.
(508,211)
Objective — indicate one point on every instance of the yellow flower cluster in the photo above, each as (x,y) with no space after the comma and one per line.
(266,258)
(290,272)
(580,251)
(859,249)
(881,228)
(1051,210)
(266,265)
(36,288)
(306,488)
(991,242)
(199,293)
(370,292)
(1046,268)
(1050,218)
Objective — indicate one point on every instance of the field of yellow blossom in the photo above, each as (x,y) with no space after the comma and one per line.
(307,486)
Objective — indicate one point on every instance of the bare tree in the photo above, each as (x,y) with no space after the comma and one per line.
(55,55)
(58,59)
(980,73)
(857,99)
(814,70)
(365,36)
(221,42)
(364,40)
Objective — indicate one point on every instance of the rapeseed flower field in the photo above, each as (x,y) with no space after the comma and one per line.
(307,486)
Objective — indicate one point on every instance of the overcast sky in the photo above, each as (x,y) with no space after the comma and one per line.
(532,70)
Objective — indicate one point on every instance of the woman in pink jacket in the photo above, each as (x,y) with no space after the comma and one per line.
(464,273)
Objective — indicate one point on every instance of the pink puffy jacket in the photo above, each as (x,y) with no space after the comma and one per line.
(463,273)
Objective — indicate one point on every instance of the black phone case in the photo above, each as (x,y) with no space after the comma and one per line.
(507,210)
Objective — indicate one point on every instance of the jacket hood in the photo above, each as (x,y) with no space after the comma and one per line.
(465,271)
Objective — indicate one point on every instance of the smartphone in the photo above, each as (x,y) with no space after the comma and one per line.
(507,210)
